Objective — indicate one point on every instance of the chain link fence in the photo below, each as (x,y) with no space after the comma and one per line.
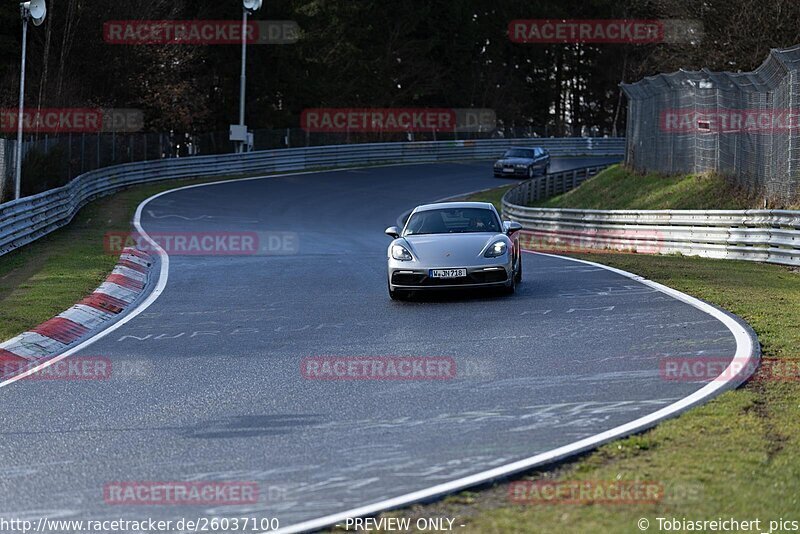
(741,125)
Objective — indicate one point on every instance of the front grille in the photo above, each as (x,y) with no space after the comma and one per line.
(405,279)
(504,168)
(488,277)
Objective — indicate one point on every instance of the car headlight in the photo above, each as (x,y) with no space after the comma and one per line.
(497,249)
(497,164)
(399,252)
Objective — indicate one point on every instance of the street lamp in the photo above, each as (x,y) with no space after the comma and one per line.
(239,131)
(36,10)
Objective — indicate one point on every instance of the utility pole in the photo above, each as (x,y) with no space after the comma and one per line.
(37,11)
(238,132)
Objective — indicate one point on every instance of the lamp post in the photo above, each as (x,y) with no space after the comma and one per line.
(37,11)
(239,132)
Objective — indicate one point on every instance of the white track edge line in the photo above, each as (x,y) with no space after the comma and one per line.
(743,345)
(164,270)
(745,350)
(161,283)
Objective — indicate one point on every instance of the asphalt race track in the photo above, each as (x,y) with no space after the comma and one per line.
(207,382)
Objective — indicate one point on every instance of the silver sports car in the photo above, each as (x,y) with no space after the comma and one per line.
(454,245)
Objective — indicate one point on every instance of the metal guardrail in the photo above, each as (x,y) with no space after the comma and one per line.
(27,219)
(771,236)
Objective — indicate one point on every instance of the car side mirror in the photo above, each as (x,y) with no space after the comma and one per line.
(511,227)
(392,231)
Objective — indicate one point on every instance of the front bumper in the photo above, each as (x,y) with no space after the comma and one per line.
(406,278)
(503,171)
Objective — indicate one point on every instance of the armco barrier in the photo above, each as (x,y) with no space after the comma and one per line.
(771,236)
(29,218)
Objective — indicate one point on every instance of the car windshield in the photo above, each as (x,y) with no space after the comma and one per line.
(518,153)
(452,221)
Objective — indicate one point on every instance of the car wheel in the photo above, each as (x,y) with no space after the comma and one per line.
(509,289)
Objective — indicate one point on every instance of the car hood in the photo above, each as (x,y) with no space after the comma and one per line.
(515,161)
(450,249)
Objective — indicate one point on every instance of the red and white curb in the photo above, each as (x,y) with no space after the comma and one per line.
(122,287)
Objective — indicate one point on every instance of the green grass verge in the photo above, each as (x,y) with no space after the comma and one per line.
(619,188)
(48,276)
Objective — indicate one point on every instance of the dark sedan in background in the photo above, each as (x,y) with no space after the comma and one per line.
(519,161)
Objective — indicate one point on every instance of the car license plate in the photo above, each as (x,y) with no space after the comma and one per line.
(448,273)
(508,170)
